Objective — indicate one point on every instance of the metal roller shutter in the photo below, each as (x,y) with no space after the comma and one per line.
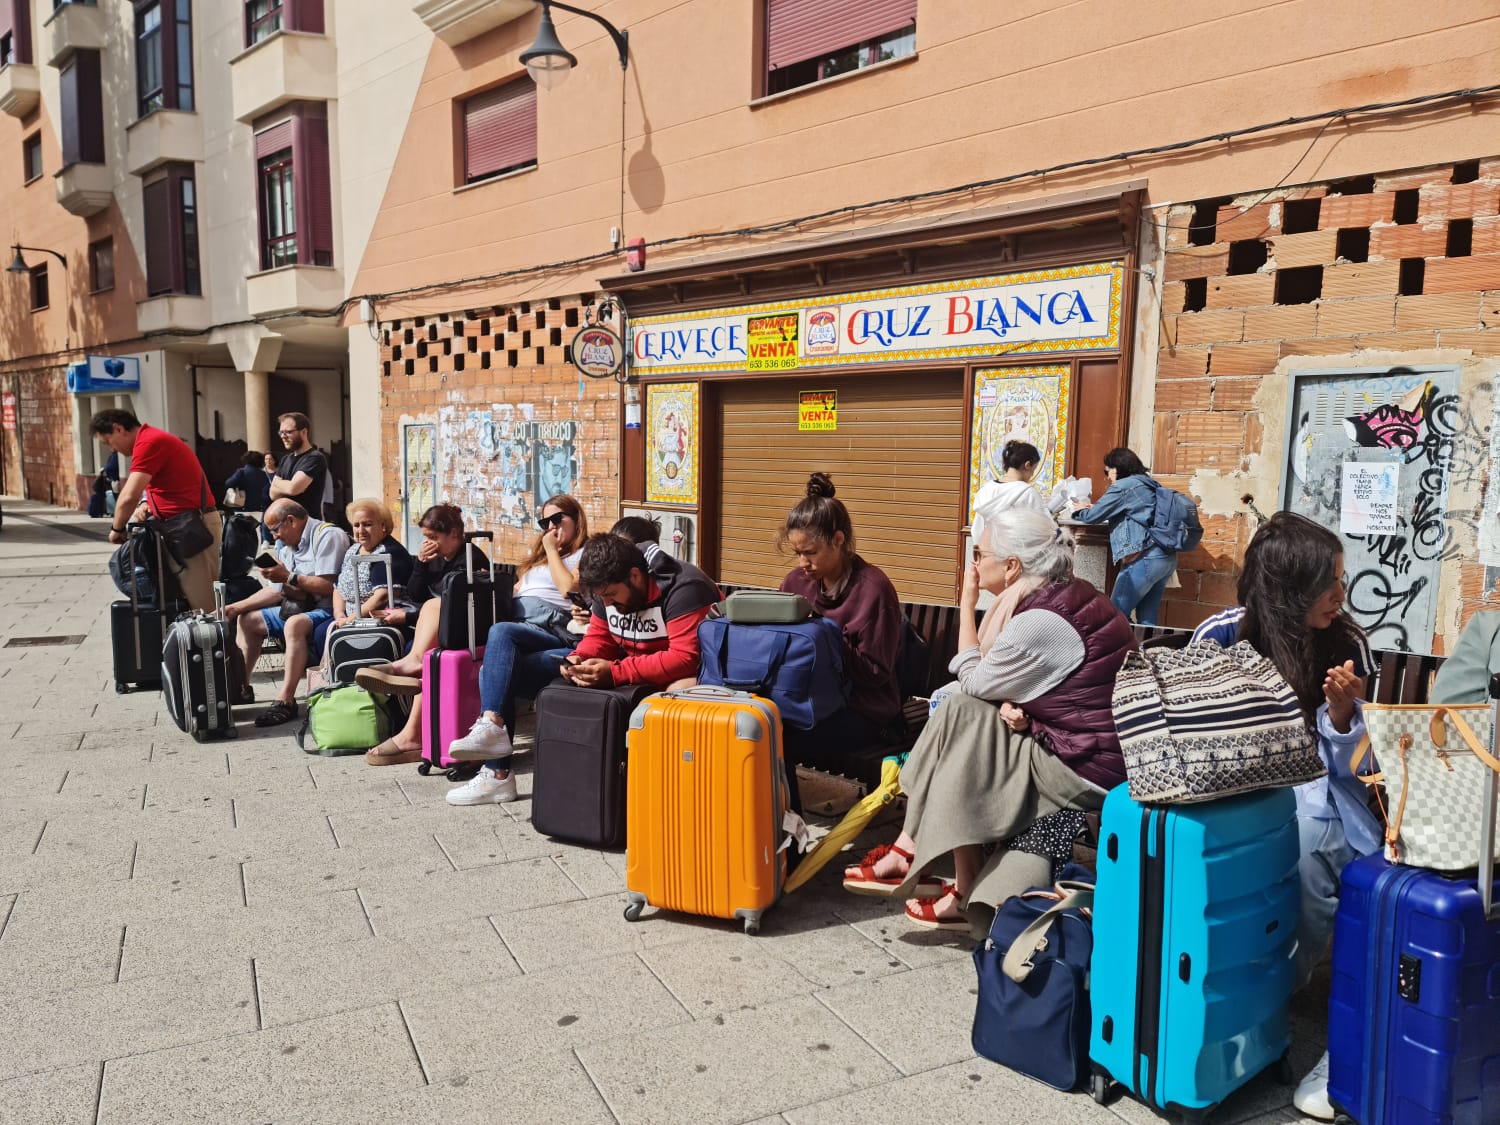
(896,459)
(803,29)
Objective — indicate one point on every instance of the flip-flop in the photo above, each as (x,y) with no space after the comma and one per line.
(380,678)
(864,881)
(279,712)
(388,753)
(923,912)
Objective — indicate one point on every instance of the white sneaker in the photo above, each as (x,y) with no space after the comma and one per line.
(486,739)
(485,788)
(1311,1097)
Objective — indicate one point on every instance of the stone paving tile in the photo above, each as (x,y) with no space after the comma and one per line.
(550,1088)
(883,921)
(696,1073)
(266,1075)
(939,998)
(33,959)
(200,887)
(84,1024)
(552,934)
(404,908)
(337,869)
(358,974)
(969,1091)
(472,841)
(593,871)
(57,1097)
(108,860)
(309,923)
(596,999)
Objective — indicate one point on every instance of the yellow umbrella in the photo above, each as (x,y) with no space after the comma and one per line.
(852,825)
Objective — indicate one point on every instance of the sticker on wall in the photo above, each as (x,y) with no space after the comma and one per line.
(672,443)
(1367,500)
(1027,404)
(818,410)
(771,342)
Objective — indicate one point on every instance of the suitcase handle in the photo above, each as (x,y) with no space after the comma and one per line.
(1487,818)
(367,562)
(469,537)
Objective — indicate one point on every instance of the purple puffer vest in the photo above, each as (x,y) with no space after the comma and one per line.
(1075,720)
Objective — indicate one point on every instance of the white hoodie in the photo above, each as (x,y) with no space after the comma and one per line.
(997,495)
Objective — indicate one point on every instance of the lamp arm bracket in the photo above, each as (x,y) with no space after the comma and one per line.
(42,250)
(621,38)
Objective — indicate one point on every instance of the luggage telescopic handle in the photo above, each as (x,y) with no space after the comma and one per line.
(367,562)
(1487,819)
(469,537)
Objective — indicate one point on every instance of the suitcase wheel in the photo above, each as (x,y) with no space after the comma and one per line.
(1099,1085)
(424,768)
(121,688)
(633,911)
(751,919)
(462,772)
(1344,1119)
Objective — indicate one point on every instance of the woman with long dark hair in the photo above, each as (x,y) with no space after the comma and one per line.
(1291,610)
(1129,507)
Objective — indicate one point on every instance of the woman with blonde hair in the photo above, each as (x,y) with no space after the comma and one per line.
(1030,734)
(372,523)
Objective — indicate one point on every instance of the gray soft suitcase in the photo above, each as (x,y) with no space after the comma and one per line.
(366,640)
(766,607)
(201,672)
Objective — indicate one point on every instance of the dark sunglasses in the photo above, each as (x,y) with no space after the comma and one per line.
(554,520)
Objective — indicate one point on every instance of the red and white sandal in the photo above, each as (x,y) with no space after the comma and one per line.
(922,911)
(861,879)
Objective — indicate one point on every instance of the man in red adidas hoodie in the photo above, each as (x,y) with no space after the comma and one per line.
(644,628)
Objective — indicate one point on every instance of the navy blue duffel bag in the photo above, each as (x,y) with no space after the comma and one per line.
(799,667)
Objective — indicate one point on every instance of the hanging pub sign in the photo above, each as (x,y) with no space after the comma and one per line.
(1076,308)
(818,410)
(598,351)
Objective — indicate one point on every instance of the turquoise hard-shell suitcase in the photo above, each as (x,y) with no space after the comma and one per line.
(1195,935)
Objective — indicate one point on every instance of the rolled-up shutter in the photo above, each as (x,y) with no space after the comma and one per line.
(797,30)
(896,459)
(500,129)
(305,15)
(268,142)
(314,190)
(156,199)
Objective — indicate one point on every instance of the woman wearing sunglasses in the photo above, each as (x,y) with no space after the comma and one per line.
(529,648)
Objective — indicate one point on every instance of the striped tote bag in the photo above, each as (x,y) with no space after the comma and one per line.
(1203,722)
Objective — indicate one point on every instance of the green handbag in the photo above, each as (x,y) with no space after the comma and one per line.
(344,719)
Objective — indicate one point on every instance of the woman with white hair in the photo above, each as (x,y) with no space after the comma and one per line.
(1046,654)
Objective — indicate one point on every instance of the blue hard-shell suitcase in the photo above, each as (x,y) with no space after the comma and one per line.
(1414,1014)
(1195,937)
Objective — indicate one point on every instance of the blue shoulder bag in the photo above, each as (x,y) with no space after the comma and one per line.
(799,667)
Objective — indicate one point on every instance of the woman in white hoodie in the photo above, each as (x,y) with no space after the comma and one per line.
(1014,489)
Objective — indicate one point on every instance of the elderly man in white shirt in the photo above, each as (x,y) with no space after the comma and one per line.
(309,554)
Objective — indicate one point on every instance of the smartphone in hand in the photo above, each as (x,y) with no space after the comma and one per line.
(267,558)
(578,599)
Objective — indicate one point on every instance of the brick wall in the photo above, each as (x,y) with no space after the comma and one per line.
(503,365)
(1393,262)
(46,431)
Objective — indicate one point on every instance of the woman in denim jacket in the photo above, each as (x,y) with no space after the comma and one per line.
(1129,507)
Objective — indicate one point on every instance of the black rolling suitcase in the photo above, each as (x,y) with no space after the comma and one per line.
(201,673)
(366,640)
(578,779)
(135,625)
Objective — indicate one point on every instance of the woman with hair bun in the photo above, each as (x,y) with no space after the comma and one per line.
(1020,460)
(857,596)
(1047,654)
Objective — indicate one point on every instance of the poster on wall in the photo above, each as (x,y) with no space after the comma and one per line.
(500,464)
(672,443)
(817,410)
(1027,404)
(1369,454)
(418,475)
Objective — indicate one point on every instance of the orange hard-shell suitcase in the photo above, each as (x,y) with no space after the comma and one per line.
(705,797)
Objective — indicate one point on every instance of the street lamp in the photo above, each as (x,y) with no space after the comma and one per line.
(20,266)
(548,61)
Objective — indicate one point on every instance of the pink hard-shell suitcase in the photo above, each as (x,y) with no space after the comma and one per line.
(450,690)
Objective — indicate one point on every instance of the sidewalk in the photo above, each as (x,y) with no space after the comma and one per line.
(239,932)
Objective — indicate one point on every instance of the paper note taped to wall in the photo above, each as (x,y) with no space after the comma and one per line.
(1368,504)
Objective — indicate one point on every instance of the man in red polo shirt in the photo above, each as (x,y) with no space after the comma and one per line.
(165,480)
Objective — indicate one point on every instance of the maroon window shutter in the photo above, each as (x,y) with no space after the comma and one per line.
(82,98)
(797,30)
(15,17)
(268,142)
(156,198)
(305,15)
(500,129)
(314,193)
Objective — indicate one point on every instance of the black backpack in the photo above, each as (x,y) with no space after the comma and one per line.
(237,549)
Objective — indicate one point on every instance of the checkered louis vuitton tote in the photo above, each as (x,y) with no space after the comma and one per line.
(1434,760)
(1204,722)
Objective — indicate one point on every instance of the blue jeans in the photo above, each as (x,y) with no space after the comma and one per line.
(1140,585)
(519,659)
(1325,852)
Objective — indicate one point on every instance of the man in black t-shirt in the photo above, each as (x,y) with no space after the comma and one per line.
(302,474)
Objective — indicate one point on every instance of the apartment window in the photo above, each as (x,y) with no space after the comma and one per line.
(81,94)
(263,18)
(170,202)
(40,297)
(809,41)
(31,157)
(15,32)
(293,187)
(102,265)
(499,130)
(163,55)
